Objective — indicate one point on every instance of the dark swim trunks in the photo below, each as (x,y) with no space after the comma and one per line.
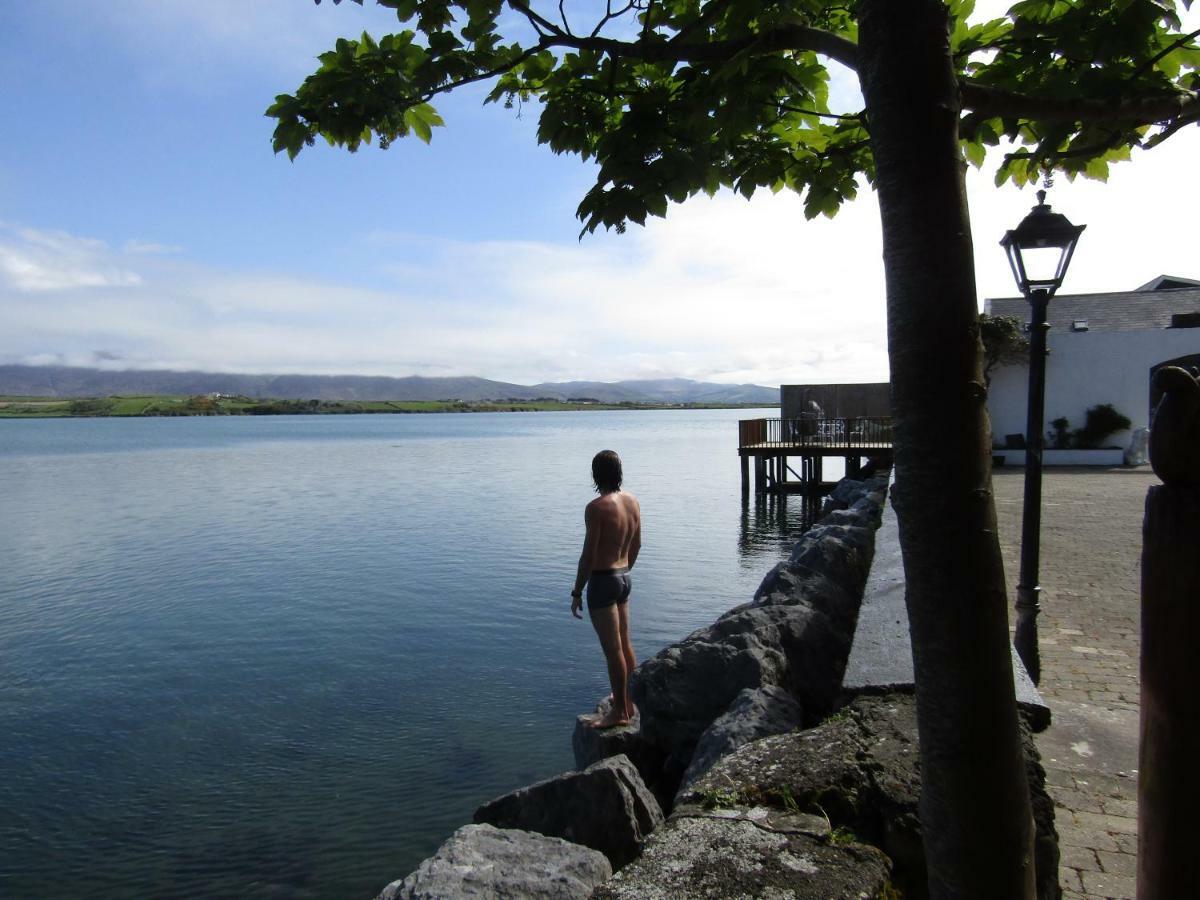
(606,587)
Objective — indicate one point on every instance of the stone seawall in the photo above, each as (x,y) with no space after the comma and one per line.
(748,770)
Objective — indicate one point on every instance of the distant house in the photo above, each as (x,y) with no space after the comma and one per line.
(834,400)
(1103,348)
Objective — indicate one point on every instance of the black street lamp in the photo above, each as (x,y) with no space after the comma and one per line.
(1039,251)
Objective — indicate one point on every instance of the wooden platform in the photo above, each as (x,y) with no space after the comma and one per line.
(773,443)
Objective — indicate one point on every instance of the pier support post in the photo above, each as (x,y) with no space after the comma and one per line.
(745,460)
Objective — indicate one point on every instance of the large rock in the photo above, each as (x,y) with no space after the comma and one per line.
(861,516)
(788,583)
(748,854)
(688,685)
(594,744)
(861,770)
(606,807)
(482,861)
(845,494)
(850,491)
(754,713)
(842,553)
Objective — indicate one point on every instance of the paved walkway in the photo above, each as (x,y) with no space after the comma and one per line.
(1089,639)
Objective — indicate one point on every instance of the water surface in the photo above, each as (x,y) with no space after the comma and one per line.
(288,656)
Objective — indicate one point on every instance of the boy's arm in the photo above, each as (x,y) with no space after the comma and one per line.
(636,544)
(584,569)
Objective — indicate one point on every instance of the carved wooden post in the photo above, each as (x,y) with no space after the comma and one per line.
(1168,775)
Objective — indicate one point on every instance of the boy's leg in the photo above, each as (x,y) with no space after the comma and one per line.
(626,650)
(607,624)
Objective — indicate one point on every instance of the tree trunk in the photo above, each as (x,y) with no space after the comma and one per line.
(975,808)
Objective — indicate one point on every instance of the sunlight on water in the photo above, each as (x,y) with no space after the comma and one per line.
(286,657)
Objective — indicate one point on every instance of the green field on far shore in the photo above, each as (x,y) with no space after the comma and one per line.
(225,405)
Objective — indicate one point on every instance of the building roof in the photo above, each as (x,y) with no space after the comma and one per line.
(1150,306)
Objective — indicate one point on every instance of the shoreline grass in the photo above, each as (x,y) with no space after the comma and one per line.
(160,405)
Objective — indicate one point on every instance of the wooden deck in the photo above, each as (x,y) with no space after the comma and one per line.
(771,443)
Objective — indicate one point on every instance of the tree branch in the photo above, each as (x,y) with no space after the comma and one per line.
(609,15)
(1170,130)
(855,117)
(1149,64)
(542,25)
(1114,140)
(989,102)
(537,48)
(787,37)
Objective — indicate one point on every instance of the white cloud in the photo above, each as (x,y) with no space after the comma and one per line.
(40,261)
(725,290)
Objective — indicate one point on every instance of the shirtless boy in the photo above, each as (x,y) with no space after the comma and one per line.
(610,548)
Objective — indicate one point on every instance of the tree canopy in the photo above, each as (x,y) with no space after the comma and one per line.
(674,97)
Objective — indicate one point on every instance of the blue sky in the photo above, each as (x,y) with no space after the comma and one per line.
(145,222)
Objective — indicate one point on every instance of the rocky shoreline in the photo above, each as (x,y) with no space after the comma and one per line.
(745,773)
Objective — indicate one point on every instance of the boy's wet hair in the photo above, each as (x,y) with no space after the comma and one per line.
(606,471)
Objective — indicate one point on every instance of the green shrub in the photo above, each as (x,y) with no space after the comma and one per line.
(1059,434)
(1102,422)
(90,406)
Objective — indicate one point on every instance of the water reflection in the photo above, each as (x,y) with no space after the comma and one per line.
(774,522)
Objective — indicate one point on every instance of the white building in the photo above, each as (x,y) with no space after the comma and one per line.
(1103,348)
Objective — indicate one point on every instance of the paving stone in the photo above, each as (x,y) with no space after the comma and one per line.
(1070,880)
(1075,800)
(1091,641)
(1119,807)
(1071,835)
(1111,887)
(1080,858)
(1106,823)
(1118,863)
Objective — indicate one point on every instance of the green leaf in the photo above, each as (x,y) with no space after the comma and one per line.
(975,152)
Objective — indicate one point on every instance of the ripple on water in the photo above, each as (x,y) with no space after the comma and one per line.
(287,657)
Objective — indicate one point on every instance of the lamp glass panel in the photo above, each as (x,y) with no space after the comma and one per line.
(1041,263)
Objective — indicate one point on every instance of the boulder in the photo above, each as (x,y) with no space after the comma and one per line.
(754,713)
(861,516)
(788,583)
(606,807)
(594,744)
(842,553)
(482,861)
(688,685)
(844,494)
(861,770)
(747,854)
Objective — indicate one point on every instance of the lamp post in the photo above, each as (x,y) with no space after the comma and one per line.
(1049,239)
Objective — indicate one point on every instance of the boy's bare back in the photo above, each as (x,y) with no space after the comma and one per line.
(614,524)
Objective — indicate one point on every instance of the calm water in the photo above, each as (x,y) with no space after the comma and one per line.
(287,656)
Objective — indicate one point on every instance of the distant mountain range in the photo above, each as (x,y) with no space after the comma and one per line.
(62,381)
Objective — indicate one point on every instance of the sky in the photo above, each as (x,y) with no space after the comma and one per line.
(146,223)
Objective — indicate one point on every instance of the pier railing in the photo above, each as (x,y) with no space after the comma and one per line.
(816,431)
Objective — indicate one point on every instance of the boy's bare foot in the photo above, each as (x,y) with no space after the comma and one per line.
(610,719)
(613,718)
